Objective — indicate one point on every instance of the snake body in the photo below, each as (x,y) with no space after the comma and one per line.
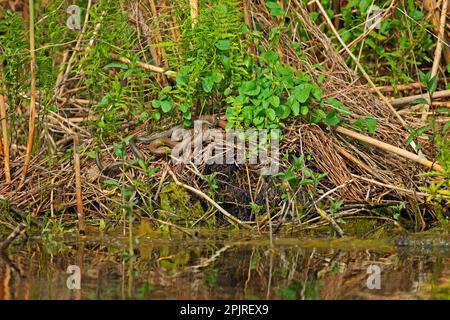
(161,144)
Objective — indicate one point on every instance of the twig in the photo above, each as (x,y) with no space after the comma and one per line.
(79,195)
(390,186)
(211,201)
(390,148)
(399,102)
(326,194)
(400,87)
(146,66)
(13,235)
(211,259)
(32,97)
(328,218)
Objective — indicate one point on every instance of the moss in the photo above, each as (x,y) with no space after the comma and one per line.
(177,206)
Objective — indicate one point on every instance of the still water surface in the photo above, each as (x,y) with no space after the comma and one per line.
(178,268)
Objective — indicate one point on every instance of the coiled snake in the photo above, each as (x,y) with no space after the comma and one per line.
(161,144)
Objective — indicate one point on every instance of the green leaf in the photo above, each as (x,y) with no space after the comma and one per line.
(420,100)
(223,45)
(275,9)
(250,88)
(156,115)
(184,107)
(119,65)
(304,110)
(271,114)
(274,101)
(316,92)
(332,119)
(371,123)
(295,107)
(283,111)
(166,105)
(339,106)
(318,115)
(364,5)
(207,84)
(302,91)
(118,150)
(432,84)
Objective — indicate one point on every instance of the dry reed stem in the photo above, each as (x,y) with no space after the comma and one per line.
(32,115)
(400,102)
(438,51)
(194,11)
(5,144)
(400,87)
(79,195)
(146,66)
(390,148)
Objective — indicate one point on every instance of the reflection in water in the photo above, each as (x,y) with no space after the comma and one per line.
(179,269)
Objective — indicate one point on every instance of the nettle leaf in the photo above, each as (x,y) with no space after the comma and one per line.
(270,57)
(302,92)
(332,119)
(182,75)
(223,45)
(371,123)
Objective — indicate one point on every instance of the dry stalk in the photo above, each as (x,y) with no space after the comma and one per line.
(79,195)
(5,144)
(32,115)
(390,148)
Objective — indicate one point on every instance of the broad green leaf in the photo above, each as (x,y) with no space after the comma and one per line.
(166,105)
(302,91)
(223,45)
(271,114)
(295,107)
(371,123)
(332,119)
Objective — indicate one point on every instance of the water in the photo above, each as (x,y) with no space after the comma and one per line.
(183,268)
